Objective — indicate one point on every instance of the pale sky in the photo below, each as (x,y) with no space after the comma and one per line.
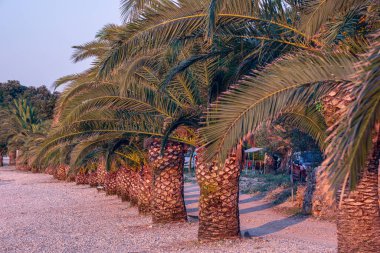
(36,36)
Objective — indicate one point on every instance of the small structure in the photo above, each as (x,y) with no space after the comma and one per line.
(250,159)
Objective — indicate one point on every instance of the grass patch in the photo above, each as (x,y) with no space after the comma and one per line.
(275,187)
(268,182)
(282,196)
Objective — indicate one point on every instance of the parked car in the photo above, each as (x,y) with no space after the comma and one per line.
(301,161)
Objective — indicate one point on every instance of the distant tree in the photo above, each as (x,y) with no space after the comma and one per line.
(42,100)
(10,91)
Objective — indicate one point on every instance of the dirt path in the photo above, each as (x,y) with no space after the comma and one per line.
(40,214)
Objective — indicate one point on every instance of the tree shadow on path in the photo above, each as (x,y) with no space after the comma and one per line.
(256,208)
(191,196)
(273,226)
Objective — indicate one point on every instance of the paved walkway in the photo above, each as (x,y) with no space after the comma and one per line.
(40,214)
(257,219)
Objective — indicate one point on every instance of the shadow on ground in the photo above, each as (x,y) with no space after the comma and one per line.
(256,208)
(273,226)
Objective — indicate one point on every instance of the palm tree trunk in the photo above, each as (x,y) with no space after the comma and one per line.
(50,170)
(110,183)
(122,184)
(324,204)
(93,178)
(101,171)
(133,181)
(12,157)
(81,177)
(70,177)
(61,173)
(359,216)
(145,190)
(219,199)
(168,203)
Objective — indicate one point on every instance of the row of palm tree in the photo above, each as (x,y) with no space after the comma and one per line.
(207,74)
(21,129)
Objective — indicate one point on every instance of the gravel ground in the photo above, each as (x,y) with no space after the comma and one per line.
(40,214)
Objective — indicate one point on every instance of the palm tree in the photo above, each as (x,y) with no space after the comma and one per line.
(168,184)
(145,190)
(353,159)
(160,24)
(220,132)
(112,127)
(1,156)
(238,33)
(82,176)
(20,129)
(300,77)
(101,171)
(219,197)
(140,94)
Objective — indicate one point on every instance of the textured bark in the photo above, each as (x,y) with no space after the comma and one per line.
(110,183)
(93,179)
(81,177)
(118,181)
(219,199)
(22,164)
(335,105)
(133,186)
(122,185)
(145,190)
(60,172)
(168,203)
(34,169)
(70,175)
(307,205)
(101,171)
(50,170)
(324,203)
(12,157)
(300,195)
(359,216)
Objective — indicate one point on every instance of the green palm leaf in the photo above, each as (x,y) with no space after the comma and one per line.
(187,20)
(351,142)
(81,150)
(264,95)
(308,120)
(316,12)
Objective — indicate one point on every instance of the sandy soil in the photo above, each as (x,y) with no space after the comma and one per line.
(40,214)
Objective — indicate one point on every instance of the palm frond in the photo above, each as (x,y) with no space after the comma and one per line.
(81,150)
(141,101)
(346,26)
(88,50)
(308,120)
(191,122)
(186,20)
(263,95)
(351,141)
(316,12)
(131,9)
